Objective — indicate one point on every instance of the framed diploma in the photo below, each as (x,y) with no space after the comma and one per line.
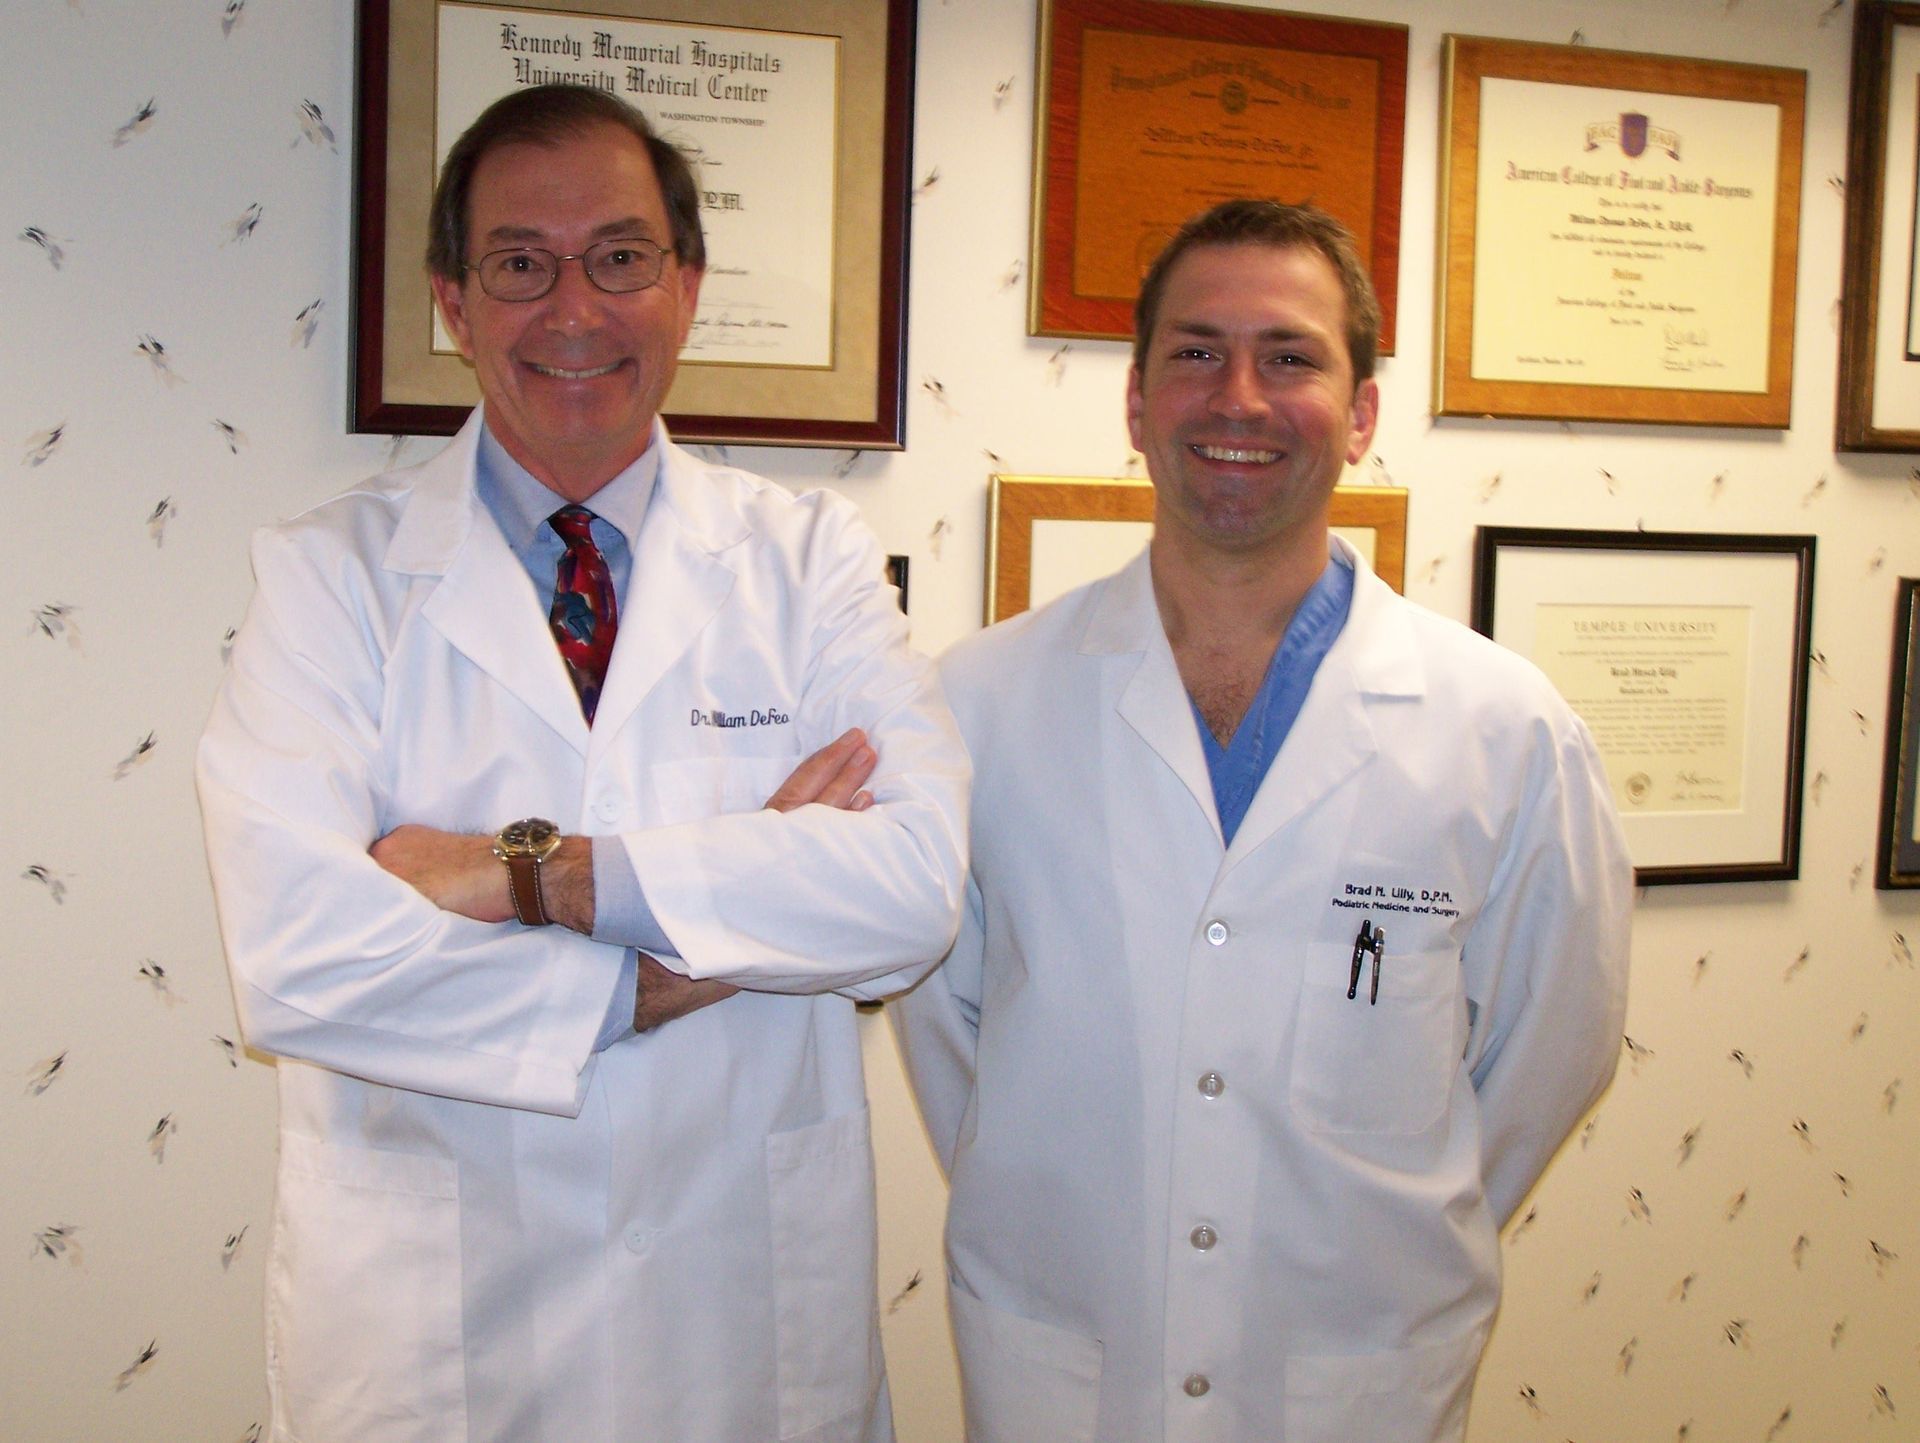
(1049,534)
(1618,234)
(1899,816)
(1686,656)
(1879,406)
(1149,111)
(796,114)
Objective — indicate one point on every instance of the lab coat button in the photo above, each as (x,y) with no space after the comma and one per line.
(1217,932)
(639,1240)
(607,807)
(1203,1237)
(1212,1084)
(1196,1385)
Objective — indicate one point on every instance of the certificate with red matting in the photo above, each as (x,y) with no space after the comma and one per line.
(1149,111)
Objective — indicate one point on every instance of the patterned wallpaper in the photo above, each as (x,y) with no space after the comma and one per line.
(1726,1251)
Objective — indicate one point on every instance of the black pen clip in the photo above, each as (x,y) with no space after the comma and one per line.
(1369,940)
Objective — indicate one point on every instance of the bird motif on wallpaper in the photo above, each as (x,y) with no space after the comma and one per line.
(252,1435)
(395,445)
(1637,1208)
(1743,1060)
(142,750)
(1700,967)
(1845,1183)
(1889,1095)
(1002,91)
(1902,952)
(1739,1332)
(1590,1289)
(157,1139)
(1859,1028)
(1488,489)
(49,247)
(231,434)
(1381,476)
(54,620)
(1531,1399)
(1883,1257)
(1853,877)
(1623,1360)
(1799,961)
(935,388)
(44,1073)
(1586,1133)
(1798,1252)
(1819,787)
(1430,573)
(1815,491)
(1637,1053)
(1780,1423)
(228,1049)
(60,1243)
(1688,1141)
(160,982)
(227,639)
(306,323)
(1834,7)
(244,224)
(1877,560)
(1527,1220)
(54,883)
(157,357)
(1613,486)
(1678,1292)
(1883,1401)
(314,128)
(1010,277)
(1683,1432)
(912,1287)
(163,511)
(937,535)
(1735,1205)
(1839,1332)
(1804,1133)
(1057,364)
(926,186)
(1716,486)
(1818,659)
(1860,721)
(141,122)
(138,1366)
(230,1249)
(42,445)
(230,16)
(843,468)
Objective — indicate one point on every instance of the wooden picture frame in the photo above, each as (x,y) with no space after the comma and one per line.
(1898,853)
(1687,656)
(1048,534)
(1202,102)
(1642,205)
(847,386)
(1879,387)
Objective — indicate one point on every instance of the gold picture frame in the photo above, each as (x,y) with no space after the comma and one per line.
(1100,521)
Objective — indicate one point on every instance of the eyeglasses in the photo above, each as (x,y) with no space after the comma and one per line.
(526,273)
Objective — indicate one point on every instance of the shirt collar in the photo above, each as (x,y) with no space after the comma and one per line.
(521,502)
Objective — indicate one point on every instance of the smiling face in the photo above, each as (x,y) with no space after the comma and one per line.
(573,380)
(1245,405)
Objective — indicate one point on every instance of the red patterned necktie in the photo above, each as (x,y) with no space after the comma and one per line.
(584,615)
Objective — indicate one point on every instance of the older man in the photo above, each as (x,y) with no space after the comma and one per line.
(1297,933)
(574,1140)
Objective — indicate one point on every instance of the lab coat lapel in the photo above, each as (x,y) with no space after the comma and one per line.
(1126,628)
(484,604)
(1373,660)
(679,582)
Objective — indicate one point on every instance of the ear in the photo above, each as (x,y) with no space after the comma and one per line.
(1365,416)
(1136,407)
(451,298)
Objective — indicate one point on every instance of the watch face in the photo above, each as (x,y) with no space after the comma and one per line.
(533,837)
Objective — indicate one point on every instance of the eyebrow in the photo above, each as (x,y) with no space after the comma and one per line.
(626,226)
(1206,331)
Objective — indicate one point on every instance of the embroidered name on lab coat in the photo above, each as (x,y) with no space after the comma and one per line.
(1394,897)
(771,717)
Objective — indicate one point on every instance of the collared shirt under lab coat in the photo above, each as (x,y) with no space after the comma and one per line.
(482,1229)
(1197,1192)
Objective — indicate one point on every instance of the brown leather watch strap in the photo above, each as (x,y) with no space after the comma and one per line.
(529,901)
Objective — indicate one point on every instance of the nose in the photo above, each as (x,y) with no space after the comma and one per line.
(1238,394)
(575,303)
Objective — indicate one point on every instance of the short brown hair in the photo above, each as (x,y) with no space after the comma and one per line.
(546,115)
(1281,227)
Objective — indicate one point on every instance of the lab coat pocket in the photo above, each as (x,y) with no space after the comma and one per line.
(1385,1066)
(1413,1393)
(686,791)
(364,1335)
(1024,1379)
(826,1334)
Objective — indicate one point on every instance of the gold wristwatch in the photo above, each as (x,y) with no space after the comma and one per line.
(524,846)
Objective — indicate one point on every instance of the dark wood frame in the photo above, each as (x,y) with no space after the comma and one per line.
(1468,59)
(1014,503)
(1874,24)
(1785,864)
(1052,309)
(1898,861)
(884,428)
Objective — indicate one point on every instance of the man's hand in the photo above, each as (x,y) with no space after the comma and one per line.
(459,873)
(834,777)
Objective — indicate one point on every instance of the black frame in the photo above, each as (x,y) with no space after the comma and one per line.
(1785,866)
(1898,864)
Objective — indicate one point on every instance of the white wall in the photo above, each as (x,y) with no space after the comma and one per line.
(145,231)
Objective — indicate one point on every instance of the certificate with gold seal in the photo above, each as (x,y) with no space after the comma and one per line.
(1619,236)
(1150,111)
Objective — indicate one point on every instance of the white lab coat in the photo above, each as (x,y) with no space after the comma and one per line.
(482,1230)
(1140,1034)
